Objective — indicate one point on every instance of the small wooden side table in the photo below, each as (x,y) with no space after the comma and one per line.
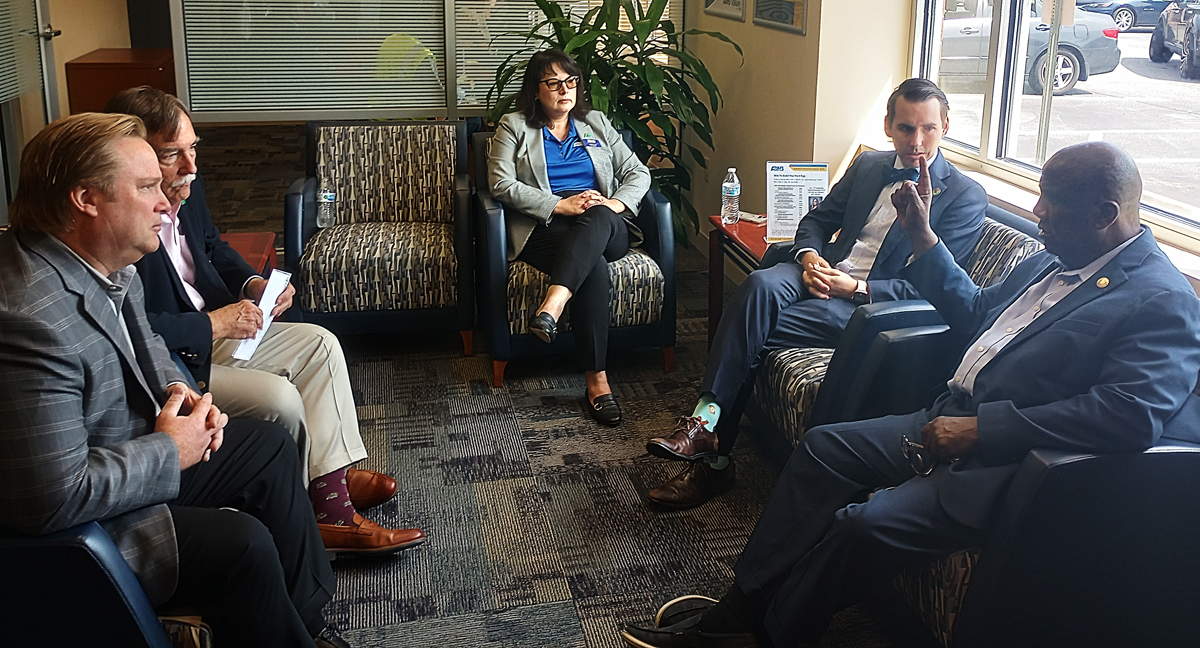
(257,248)
(744,243)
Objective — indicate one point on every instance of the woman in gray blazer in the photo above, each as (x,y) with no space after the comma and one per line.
(571,186)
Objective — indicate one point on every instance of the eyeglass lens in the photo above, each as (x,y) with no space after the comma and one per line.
(915,454)
(555,84)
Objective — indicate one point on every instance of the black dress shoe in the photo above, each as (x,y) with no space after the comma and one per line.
(543,326)
(681,609)
(329,638)
(604,409)
(685,634)
(695,485)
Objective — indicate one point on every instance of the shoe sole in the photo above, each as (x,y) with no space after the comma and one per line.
(334,554)
(543,335)
(670,455)
(681,506)
(701,603)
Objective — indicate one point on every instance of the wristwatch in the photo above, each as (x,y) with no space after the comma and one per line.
(862,294)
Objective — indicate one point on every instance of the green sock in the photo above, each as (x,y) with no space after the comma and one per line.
(708,411)
(720,463)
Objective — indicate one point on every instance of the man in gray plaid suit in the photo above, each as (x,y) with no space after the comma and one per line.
(97,424)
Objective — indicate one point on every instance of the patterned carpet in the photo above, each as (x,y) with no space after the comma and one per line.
(539,531)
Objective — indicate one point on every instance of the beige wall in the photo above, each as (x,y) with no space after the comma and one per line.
(86,25)
(812,97)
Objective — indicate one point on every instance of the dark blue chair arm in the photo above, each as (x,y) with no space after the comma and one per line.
(655,220)
(902,371)
(1090,550)
(464,247)
(299,220)
(75,586)
(865,324)
(492,271)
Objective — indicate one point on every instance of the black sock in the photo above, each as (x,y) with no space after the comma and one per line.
(734,613)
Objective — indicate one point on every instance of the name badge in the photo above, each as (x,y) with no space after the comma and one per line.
(584,141)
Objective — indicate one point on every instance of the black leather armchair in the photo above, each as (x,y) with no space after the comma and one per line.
(507,335)
(73,588)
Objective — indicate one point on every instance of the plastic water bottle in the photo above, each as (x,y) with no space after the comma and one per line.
(731,193)
(325,200)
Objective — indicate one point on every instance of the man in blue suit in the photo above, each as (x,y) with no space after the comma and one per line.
(807,303)
(1090,346)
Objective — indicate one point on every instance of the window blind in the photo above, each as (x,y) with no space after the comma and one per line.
(300,55)
(20,56)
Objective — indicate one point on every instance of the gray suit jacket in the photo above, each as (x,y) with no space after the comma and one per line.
(77,410)
(517,174)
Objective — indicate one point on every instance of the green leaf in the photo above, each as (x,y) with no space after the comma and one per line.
(698,156)
(654,76)
(581,39)
(599,95)
(717,35)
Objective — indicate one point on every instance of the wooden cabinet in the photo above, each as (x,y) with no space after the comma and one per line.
(92,79)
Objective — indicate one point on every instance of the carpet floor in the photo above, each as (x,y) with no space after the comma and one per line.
(539,532)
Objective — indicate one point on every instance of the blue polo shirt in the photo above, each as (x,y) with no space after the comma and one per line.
(568,165)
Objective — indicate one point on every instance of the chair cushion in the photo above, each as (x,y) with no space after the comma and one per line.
(379,266)
(936,590)
(636,293)
(1000,249)
(388,172)
(786,386)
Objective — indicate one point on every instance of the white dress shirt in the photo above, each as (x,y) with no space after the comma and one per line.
(1037,299)
(175,245)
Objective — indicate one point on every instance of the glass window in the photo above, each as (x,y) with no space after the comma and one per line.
(1125,73)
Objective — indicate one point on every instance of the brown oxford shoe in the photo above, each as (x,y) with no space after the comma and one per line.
(369,488)
(366,538)
(697,484)
(689,441)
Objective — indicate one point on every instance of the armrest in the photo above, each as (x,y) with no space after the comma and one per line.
(464,244)
(656,222)
(492,271)
(299,220)
(776,253)
(865,324)
(76,574)
(900,373)
(1090,550)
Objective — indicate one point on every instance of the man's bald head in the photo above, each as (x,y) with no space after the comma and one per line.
(1091,194)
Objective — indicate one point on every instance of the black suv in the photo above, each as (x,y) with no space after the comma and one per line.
(1176,33)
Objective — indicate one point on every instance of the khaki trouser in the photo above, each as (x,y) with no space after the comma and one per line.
(297,378)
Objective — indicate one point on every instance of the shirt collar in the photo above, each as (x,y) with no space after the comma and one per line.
(896,162)
(115,285)
(1092,268)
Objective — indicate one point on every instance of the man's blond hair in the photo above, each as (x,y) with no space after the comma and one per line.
(72,152)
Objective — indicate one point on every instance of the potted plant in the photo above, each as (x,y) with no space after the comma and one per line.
(644,79)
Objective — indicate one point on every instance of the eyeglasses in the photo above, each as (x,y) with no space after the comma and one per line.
(915,454)
(554,84)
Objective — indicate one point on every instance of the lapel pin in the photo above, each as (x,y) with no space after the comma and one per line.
(1102,282)
(937,191)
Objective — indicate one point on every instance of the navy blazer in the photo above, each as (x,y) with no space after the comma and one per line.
(1102,371)
(220,274)
(956,216)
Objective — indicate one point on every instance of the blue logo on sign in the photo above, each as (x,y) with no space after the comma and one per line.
(777,168)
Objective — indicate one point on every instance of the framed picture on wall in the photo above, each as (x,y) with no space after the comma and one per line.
(788,15)
(732,9)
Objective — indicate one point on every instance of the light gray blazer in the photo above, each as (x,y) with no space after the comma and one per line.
(517,174)
(77,439)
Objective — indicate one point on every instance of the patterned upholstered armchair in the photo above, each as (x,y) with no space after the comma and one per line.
(399,255)
(643,283)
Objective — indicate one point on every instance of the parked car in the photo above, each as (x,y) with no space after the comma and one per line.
(1130,13)
(1088,47)
(1176,33)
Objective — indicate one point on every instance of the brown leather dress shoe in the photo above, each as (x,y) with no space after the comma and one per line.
(697,484)
(366,538)
(369,488)
(689,441)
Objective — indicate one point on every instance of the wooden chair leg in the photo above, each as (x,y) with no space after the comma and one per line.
(468,338)
(498,373)
(668,359)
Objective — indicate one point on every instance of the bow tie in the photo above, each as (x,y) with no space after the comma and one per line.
(896,175)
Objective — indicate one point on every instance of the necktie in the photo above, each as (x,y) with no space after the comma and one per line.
(896,175)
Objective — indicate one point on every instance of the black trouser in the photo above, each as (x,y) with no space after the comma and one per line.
(575,251)
(258,575)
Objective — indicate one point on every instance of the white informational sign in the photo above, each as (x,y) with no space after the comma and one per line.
(793,190)
(1068,12)
(276,284)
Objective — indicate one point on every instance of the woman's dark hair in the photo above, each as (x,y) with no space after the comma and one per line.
(539,64)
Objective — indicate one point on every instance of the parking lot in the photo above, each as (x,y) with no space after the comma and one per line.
(1144,107)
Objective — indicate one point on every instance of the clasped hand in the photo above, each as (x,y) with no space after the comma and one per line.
(193,422)
(824,281)
(580,202)
(950,438)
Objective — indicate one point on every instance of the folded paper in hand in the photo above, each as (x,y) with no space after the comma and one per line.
(276,284)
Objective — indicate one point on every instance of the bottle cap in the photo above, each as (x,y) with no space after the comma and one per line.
(731,170)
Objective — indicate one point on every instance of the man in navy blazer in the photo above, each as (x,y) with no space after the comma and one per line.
(200,297)
(807,303)
(1090,346)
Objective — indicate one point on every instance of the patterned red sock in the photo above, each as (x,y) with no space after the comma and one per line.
(331,499)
